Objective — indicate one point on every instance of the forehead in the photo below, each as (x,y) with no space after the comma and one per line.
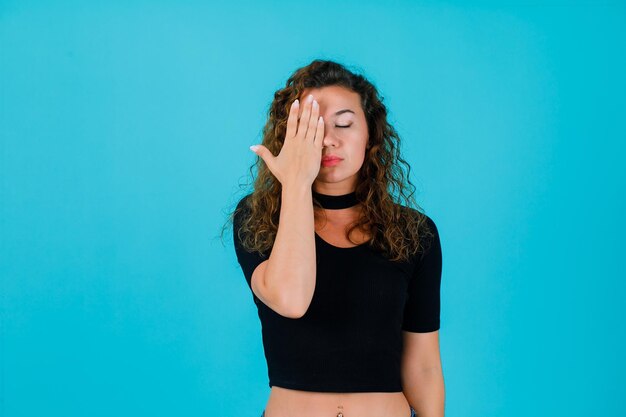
(333,95)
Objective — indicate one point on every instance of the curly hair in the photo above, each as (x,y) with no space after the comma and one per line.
(397,230)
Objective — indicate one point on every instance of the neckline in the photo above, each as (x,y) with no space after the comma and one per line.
(336,202)
(339,247)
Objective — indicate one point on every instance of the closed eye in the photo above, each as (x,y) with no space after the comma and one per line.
(343,126)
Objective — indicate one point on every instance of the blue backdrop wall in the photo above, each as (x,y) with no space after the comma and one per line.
(125,129)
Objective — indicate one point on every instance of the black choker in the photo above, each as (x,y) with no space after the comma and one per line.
(336,202)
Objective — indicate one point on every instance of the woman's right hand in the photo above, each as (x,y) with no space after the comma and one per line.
(300,157)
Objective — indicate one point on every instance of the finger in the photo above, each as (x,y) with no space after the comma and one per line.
(265,155)
(292,120)
(304,117)
(315,111)
(319,133)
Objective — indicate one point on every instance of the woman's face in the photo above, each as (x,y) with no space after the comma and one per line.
(345,136)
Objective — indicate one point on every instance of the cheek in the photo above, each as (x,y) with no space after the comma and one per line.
(358,149)
(360,142)
(356,136)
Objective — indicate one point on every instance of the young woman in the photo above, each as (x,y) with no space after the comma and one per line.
(345,279)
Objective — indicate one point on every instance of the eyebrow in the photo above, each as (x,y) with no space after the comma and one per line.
(343,111)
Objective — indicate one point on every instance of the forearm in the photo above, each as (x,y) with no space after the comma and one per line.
(425,391)
(291,268)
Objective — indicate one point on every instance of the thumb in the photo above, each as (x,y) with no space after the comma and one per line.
(263,153)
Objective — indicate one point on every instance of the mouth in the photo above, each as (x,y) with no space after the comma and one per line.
(331,161)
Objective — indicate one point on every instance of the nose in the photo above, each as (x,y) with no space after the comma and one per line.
(329,139)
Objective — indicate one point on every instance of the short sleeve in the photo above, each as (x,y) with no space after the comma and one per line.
(247,260)
(422,308)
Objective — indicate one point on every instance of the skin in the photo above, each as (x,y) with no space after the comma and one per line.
(348,143)
(421,371)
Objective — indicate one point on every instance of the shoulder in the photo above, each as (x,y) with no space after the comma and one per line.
(239,214)
(430,224)
(431,249)
(241,208)
(427,231)
(243,202)
(427,224)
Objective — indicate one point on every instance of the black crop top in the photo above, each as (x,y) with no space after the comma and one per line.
(350,338)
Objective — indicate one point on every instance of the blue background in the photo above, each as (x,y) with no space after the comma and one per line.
(125,129)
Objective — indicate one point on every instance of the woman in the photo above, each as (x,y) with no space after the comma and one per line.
(346,281)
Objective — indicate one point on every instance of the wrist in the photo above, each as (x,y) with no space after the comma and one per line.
(299,189)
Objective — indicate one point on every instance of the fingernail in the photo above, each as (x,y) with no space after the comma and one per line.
(310,97)
(254,148)
(296,102)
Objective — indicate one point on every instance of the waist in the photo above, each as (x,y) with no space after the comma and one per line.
(285,402)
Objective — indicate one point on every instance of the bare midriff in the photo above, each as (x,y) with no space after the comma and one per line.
(285,402)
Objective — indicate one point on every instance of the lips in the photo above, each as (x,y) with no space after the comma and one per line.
(330,161)
(331,158)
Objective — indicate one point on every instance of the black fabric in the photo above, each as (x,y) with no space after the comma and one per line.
(350,338)
(336,202)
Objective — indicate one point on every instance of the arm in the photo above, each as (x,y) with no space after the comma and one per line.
(286,281)
(288,276)
(422,375)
